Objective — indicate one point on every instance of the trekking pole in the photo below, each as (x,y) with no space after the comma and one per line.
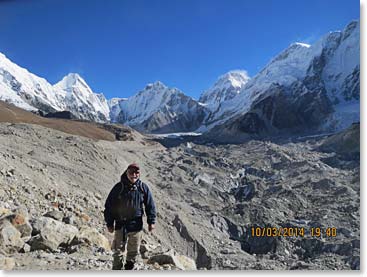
(124,234)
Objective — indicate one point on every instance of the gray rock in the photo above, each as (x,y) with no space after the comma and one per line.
(10,238)
(70,219)
(92,237)
(55,214)
(73,220)
(219,223)
(50,234)
(26,248)
(168,257)
(245,193)
(145,248)
(171,258)
(19,219)
(228,251)
(300,192)
(6,263)
(187,263)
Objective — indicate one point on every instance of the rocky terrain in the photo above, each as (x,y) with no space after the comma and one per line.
(209,197)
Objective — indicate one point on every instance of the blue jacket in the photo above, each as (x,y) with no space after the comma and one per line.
(125,205)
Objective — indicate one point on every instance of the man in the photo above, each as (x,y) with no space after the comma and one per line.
(123,215)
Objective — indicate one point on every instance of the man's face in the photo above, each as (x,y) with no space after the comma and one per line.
(133,175)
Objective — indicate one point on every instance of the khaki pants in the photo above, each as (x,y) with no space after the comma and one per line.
(119,247)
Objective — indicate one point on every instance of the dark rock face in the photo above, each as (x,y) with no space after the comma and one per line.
(351,86)
(38,102)
(183,121)
(245,193)
(346,144)
(258,245)
(251,123)
(122,133)
(295,109)
(313,247)
(62,114)
(284,110)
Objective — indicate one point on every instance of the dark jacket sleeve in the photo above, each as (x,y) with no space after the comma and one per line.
(149,204)
(108,214)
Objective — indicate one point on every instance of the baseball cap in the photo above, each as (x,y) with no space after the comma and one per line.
(133,167)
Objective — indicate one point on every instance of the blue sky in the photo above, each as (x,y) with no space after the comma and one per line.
(120,46)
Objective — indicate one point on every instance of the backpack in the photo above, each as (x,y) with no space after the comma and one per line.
(127,204)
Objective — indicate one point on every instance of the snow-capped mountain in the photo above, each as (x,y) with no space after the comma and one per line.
(81,100)
(26,90)
(159,109)
(304,87)
(225,88)
(114,107)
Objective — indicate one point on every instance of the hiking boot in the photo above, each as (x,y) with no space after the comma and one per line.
(129,265)
(117,262)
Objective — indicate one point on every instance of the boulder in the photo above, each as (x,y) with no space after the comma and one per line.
(73,220)
(147,250)
(19,219)
(55,214)
(22,225)
(6,263)
(187,263)
(26,248)
(219,223)
(4,212)
(49,234)
(170,257)
(203,179)
(10,238)
(91,236)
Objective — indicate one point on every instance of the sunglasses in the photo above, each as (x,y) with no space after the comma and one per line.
(132,171)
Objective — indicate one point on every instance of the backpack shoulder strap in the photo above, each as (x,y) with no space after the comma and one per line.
(142,190)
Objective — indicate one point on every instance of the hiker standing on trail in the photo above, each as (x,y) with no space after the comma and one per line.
(124,209)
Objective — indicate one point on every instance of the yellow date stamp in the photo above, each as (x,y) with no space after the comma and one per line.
(293,231)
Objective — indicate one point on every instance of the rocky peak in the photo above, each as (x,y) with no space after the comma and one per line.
(225,88)
(71,80)
(114,101)
(350,28)
(290,51)
(158,108)
(235,79)
(157,85)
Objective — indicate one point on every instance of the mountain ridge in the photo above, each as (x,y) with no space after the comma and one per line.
(328,68)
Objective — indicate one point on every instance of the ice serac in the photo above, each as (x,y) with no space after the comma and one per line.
(159,109)
(306,88)
(82,101)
